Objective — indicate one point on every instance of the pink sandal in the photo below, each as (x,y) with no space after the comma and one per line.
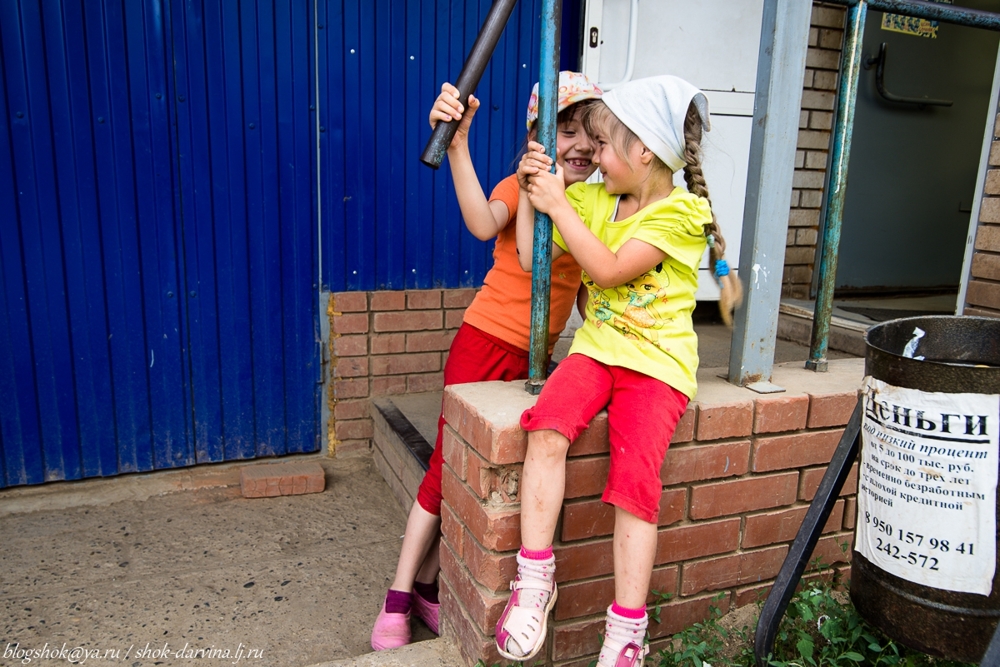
(524,628)
(631,655)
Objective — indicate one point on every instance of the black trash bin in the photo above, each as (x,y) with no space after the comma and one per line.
(917,501)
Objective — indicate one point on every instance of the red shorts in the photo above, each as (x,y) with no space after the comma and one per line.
(474,356)
(642,415)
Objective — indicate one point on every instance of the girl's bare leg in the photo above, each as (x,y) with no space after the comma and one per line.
(428,572)
(422,531)
(634,552)
(543,485)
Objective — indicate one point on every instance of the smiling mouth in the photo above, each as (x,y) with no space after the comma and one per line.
(579,164)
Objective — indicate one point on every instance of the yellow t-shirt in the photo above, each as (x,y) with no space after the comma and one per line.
(645,324)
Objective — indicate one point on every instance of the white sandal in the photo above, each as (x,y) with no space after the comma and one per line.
(524,627)
(629,655)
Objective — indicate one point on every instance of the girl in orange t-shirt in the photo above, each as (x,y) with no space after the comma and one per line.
(492,343)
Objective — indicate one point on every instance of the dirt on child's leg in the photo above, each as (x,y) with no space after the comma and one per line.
(543,484)
(634,552)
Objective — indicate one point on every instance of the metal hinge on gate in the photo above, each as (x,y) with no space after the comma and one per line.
(324,361)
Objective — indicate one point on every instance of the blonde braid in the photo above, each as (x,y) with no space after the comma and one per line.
(731,295)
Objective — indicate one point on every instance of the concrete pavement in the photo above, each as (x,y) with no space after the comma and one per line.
(148,569)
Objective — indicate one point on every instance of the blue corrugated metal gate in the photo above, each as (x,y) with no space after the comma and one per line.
(161,192)
(157,235)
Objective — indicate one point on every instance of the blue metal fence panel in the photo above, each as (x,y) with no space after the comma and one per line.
(246,158)
(90,246)
(157,236)
(20,421)
(389,222)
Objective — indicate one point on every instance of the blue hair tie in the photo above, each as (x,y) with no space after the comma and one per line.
(721,268)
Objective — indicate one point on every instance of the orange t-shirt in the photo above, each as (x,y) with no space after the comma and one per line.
(503,306)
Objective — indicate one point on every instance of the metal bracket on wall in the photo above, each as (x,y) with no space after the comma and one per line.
(920,102)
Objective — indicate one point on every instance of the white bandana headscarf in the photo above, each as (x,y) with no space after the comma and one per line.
(654,109)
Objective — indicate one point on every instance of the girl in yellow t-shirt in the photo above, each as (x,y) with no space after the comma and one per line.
(639,240)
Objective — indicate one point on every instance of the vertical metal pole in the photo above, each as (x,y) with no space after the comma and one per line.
(850,66)
(541,264)
(784,41)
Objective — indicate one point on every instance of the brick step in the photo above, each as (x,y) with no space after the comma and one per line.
(795,324)
(288,478)
(401,453)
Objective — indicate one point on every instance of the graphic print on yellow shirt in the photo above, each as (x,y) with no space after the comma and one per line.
(645,324)
(638,320)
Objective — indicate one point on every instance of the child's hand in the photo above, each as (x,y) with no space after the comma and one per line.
(532,162)
(547,191)
(448,107)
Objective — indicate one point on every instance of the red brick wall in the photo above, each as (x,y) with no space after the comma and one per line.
(819,95)
(983,295)
(385,343)
(737,481)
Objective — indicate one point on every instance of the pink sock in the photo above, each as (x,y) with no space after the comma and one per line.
(627,612)
(535,565)
(623,626)
(398,602)
(544,554)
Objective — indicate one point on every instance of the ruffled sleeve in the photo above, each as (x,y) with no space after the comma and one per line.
(677,227)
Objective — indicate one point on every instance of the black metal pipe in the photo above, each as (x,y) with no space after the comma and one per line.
(472,72)
(992,656)
(879,62)
(805,540)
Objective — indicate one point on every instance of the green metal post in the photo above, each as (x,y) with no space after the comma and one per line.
(850,66)
(541,263)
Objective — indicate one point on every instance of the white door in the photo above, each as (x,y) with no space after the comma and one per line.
(714,45)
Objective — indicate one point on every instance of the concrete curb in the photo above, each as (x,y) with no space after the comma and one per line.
(432,653)
(135,487)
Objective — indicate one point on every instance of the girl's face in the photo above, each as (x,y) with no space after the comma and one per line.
(574,151)
(619,175)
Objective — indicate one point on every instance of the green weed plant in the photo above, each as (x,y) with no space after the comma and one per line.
(820,628)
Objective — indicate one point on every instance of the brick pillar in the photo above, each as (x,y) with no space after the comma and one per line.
(819,99)
(982,298)
(736,485)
